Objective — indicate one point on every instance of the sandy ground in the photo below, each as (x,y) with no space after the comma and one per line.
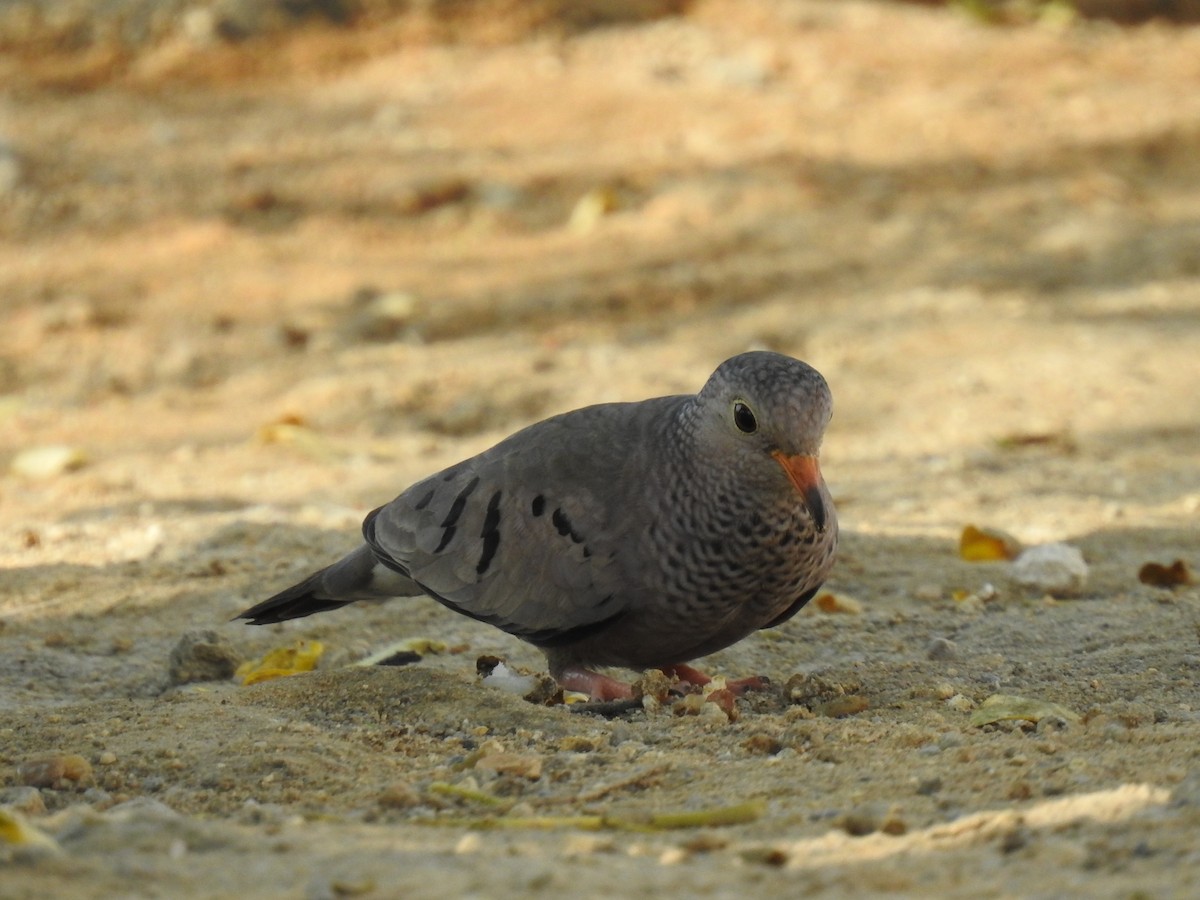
(259,289)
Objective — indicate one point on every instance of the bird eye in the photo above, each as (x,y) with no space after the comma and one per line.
(744,419)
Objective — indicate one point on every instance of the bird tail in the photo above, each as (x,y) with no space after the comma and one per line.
(356,577)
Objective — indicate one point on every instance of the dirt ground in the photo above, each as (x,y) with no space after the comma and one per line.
(256,289)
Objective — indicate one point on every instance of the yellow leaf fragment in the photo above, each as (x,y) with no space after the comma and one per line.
(40,463)
(592,207)
(299,437)
(1002,707)
(14,830)
(830,602)
(987,545)
(1155,574)
(281,662)
(472,794)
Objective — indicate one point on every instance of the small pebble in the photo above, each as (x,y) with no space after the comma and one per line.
(469,843)
(941,648)
(1014,839)
(400,795)
(522,765)
(763,744)
(59,771)
(97,798)
(201,655)
(382,316)
(893,823)
(862,820)
(23,799)
(949,739)
(927,787)
(960,703)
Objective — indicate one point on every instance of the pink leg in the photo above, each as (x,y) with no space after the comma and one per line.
(741,685)
(690,675)
(686,674)
(595,685)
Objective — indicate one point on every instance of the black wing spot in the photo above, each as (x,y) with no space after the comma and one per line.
(563,524)
(490,534)
(539,505)
(426,500)
(446,537)
(460,503)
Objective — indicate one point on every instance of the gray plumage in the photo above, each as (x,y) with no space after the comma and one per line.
(639,535)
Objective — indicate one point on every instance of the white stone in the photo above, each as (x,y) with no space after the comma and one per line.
(1055,569)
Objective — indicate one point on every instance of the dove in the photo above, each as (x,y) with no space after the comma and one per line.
(640,535)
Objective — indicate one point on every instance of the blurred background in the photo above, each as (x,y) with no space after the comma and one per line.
(250,241)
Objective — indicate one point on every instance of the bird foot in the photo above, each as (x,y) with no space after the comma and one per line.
(603,688)
(595,685)
(689,675)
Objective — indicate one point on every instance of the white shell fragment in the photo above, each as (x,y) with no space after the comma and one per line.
(1055,569)
(47,462)
(506,679)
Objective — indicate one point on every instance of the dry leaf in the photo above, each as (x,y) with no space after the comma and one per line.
(1001,707)
(1158,575)
(987,545)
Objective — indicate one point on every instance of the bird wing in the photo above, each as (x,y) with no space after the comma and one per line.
(536,535)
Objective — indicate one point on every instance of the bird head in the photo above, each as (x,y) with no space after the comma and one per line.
(766,413)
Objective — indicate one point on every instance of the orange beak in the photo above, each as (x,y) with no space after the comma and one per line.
(804,472)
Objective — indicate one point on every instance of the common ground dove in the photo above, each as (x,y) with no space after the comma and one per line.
(640,535)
